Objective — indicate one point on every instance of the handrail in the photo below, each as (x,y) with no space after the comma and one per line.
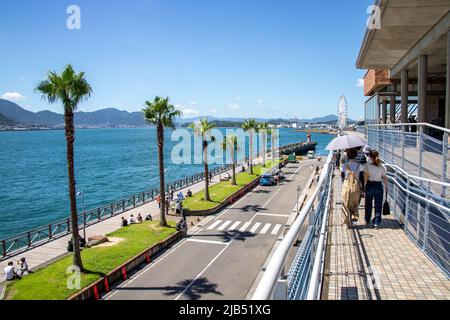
(268,281)
(445,184)
(37,236)
(424,124)
(316,279)
(414,194)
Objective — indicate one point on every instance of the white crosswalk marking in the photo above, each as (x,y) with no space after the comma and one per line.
(224,225)
(265,228)
(235,225)
(215,224)
(245,226)
(275,229)
(255,227)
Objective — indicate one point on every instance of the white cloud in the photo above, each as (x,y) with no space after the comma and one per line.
(259,101)
(186,111)
(189,111)
(214,110)
(360,83)
(238,98)
(193,103)
(234,106)
(13,96)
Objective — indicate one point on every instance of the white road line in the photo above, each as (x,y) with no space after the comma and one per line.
(245,226)
(201,272)
(236,203)
(255,227)
(265,228)
(224,225)
(217,222)
(146,268)
(207,241)
(276,229)
(279,189)
(273,215)
(234,226)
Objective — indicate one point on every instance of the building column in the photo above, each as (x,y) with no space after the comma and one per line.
(405,96)
(447,87)
(384,111)
(392,109)
(422,88)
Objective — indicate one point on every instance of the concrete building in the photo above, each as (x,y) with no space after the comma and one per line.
(408,63)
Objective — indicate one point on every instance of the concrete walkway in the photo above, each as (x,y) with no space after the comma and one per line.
(367,264)
(42,255)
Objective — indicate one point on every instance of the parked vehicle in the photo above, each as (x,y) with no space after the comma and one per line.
(267,180)
(311,154)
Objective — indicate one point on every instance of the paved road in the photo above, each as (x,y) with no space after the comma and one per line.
(223,257)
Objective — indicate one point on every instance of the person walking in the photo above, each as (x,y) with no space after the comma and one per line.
(351,188)
(374,177)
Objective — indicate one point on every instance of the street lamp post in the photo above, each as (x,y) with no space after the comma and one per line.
(81,194)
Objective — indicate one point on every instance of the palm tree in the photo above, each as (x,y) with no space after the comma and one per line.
(70,88)
(250,126)
(231,142)
(161,114)
(263,130)
(203,128)
(273,135)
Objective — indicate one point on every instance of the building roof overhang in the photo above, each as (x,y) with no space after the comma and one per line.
(403,24)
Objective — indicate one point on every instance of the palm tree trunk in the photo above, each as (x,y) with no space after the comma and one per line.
(233,181)
(251,153)
(70,139)
(272,146)
(264,149)
(162,192)
(205,156)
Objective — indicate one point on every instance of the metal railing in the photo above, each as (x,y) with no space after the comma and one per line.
(303,279)
(425,215)
(420,149)
(38,236)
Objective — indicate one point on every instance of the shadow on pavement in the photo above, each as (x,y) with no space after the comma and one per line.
(195,291)
(227,236)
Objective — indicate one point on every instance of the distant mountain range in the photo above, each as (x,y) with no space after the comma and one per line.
(12,115)
(106,118)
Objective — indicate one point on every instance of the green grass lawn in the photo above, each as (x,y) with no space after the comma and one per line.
(220,191)
(50,283)
(259,169)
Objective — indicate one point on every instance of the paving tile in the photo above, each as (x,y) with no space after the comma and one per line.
(405,274)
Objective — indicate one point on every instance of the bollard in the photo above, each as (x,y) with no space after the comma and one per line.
(106,284)
(96,294)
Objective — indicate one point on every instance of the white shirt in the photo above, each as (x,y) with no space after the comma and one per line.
(130,220)
(9,272)
(375,173)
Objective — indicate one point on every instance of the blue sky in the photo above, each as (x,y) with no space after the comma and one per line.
(233,58)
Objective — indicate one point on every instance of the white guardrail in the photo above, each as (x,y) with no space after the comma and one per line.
(304,278)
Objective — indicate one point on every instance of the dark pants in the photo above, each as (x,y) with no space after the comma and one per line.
(374,191)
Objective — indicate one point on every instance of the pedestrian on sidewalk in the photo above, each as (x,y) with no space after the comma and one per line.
(158,200)
(374,177)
